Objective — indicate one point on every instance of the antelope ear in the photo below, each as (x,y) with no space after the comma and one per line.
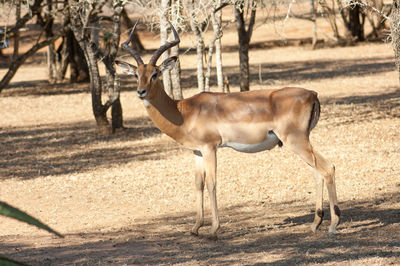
(168,63)
(126,67)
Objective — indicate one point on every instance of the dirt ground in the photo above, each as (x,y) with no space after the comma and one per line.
(129,198)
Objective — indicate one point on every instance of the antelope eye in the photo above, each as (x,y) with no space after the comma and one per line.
(136,75)
(154,76)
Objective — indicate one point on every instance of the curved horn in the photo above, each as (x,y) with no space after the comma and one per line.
(165,47)
(132,51)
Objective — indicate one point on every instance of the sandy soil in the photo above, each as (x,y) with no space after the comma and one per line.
(129,198)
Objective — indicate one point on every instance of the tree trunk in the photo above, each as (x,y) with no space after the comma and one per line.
(112,79)
(353,19)
(176,75)
(92,52)
(165,5)
(208,65)
(356,23)
(116,116)
(313,12)
(62,61)
(176,70)
(194,24)
(200,65)
(218,53)
(244,64)
(395,32)
(79,28)
(79,70)
(47,24)
(96,90)
(244,37)
(16,35)
(215,42)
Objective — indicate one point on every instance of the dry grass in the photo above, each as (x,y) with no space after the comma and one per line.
(128,198)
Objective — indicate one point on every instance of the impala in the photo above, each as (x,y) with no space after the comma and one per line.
(248,122)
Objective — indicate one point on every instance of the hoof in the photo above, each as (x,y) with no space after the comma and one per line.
(313,228)
(212,237)
(332,232)
(194,233)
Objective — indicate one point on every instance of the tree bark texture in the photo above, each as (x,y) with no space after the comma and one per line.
(80,18)
(395,33)
(215,42)
(176,76)
(244,37)
(164,25)
(79,70)
(174,51)
(196,28)
(47,23)
(356,23)
(217,24)
(353,18)
(112,79)
(16,35)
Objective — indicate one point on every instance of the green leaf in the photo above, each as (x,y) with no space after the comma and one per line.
(12,212)
(9,262)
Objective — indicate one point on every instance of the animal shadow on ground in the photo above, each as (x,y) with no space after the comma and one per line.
(361,108)
(53,149)
(272,233)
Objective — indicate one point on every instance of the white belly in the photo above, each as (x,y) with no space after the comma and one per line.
(268,143)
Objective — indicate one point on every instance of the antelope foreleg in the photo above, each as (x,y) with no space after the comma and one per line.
(199,185)
(210,161)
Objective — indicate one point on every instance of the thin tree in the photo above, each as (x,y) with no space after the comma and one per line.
(216,18)
(353,18)
(82,14)
(244,36)
(165,7)
(196,28)
(176,8)
(16,34)
(395,32)
(215,42)
(68,52)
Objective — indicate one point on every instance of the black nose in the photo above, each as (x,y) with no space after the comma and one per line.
(142,93)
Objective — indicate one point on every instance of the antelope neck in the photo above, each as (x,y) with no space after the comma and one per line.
(164,112)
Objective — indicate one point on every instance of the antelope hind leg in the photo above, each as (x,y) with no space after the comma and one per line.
(301,145)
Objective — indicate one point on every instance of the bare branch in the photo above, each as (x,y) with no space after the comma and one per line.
(366,6)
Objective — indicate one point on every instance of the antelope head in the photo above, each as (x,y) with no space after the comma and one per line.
(147,75)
